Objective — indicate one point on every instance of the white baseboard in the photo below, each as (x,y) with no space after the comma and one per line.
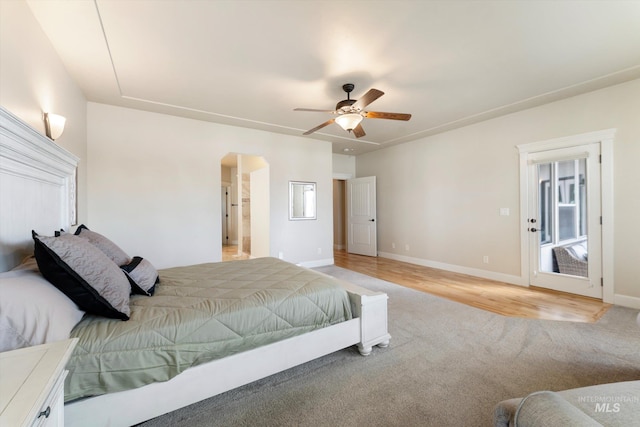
(626,301)
(622,300)
(491,275)
(316,263)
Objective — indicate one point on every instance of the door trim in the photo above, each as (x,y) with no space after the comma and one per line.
(605,138)
(542,275)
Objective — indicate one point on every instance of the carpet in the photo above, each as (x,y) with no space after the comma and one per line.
(448,364)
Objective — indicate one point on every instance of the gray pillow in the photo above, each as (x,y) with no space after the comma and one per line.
(85,274)
(110,249)
(142,275)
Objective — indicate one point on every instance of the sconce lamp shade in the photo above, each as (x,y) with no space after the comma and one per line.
(53,125)
(349,121)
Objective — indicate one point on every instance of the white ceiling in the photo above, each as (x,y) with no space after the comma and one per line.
(250,63)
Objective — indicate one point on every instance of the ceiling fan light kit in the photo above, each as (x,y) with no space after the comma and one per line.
(350,112)
(349,121)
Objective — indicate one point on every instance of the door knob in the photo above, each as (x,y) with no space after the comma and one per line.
(372,220)
(533,229)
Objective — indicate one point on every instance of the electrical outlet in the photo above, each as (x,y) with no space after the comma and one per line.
(319,251)
(281,255)
(393,246)
(406,247)
(485,259)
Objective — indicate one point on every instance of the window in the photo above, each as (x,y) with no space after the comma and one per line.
(563,204)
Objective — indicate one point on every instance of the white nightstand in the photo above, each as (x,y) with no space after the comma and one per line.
(32,385)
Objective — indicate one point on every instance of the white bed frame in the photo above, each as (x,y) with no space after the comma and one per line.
(37,191)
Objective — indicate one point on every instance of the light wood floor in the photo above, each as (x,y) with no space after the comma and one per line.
(496,297)
(230,253)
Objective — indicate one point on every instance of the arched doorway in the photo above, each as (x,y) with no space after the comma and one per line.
(245,206)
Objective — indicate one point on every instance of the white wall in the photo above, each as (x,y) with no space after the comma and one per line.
(225,175)
(33,80)
(154,182)
(441,195)
(344,166)
(260,212)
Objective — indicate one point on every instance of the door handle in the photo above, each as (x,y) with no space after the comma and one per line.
(533,229)
(45,413)
(372,220)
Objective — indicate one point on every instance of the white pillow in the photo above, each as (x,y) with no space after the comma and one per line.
(33,311)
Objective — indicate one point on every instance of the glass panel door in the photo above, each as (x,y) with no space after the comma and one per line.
(564,220)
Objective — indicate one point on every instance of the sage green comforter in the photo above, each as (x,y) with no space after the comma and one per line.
(200,313)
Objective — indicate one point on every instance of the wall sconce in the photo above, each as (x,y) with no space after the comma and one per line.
(53,125)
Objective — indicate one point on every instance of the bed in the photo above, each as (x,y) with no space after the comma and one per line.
(37,186)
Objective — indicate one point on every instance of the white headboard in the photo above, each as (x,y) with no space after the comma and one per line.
(37,188)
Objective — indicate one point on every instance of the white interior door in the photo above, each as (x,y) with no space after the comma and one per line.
(361,216)
(564,220)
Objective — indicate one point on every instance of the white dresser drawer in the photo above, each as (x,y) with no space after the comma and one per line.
(51,413)
(32,385)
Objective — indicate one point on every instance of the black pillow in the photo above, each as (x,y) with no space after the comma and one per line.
(84,274)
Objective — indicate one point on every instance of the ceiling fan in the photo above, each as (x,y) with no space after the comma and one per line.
(350,112)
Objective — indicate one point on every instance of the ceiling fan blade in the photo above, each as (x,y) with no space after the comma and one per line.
(367,99)
(327,123)
(358,131)
(390,116)
(314,110)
